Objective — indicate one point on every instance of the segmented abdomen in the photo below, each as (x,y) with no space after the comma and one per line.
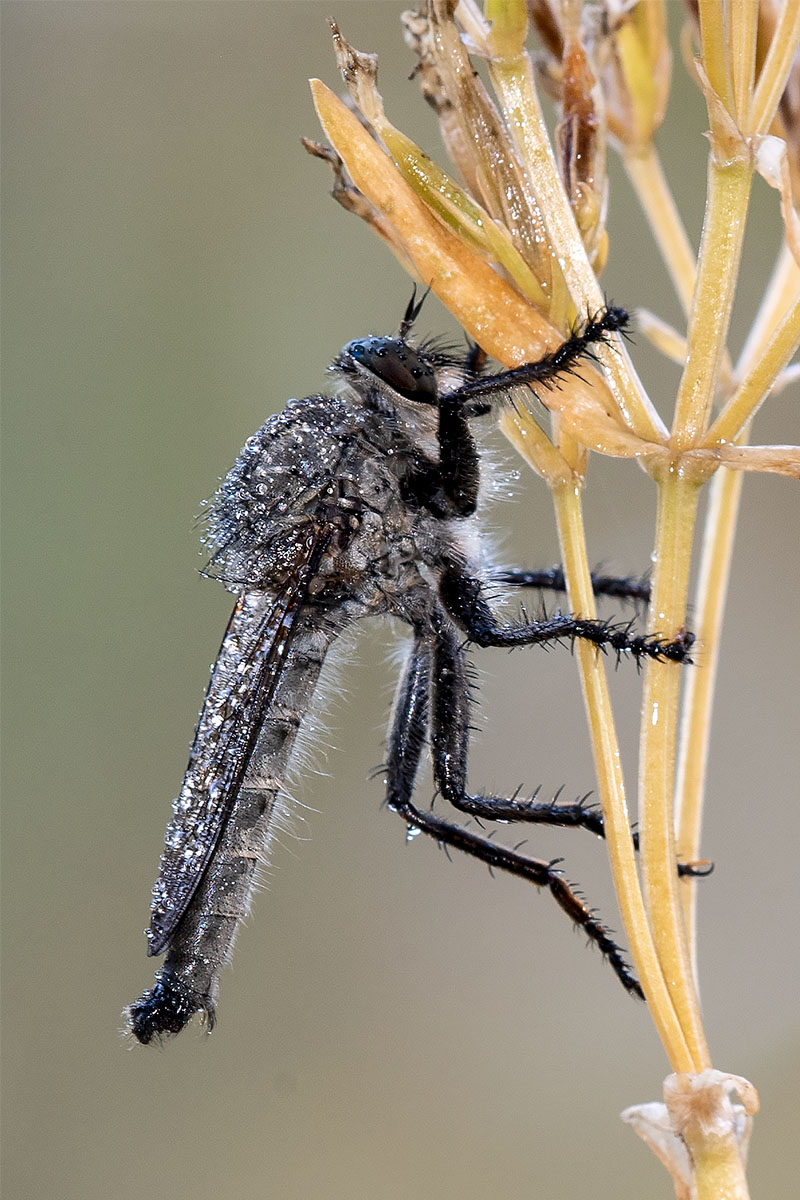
(202,942)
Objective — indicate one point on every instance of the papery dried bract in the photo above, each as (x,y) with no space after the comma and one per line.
(580,140)
(637,72)
(483,152)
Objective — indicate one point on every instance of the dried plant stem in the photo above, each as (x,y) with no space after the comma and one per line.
(711,15)
(780,295)
(717,271)
(684,1040)
(644,171)
(677,506)
(714,573)
(755,386)
(775,70)
(514,85)
(535,447)
(717,548)
(655,196)
(611,788)
(743,62)
(517,187)
(678,494)
(719,1172)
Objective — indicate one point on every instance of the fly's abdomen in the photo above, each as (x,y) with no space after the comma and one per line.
(202,941)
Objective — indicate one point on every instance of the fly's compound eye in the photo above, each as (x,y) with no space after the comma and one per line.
(396,363)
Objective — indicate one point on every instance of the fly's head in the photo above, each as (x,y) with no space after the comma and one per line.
(402,378)
(399,378)
(393,364)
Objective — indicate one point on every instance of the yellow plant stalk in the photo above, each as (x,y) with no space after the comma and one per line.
(730,175)
(677,503)
(713,575)
(512,73)
(678,494)
(611,788)
(756,385)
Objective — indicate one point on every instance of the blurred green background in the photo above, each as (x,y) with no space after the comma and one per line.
(396,1025)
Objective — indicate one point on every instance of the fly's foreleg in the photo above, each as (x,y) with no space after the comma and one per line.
(546,371)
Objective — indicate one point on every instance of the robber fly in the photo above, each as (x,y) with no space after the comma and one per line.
(344,506)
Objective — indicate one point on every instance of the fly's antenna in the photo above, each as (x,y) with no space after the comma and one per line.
(413,310)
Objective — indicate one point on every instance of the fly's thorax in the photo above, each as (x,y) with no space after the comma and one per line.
(373,558)
(254,520)
(366,435)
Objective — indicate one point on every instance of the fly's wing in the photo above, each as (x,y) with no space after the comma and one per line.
(243,682)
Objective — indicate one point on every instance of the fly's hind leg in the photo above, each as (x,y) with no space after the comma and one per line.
(431,653)
(449,746)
